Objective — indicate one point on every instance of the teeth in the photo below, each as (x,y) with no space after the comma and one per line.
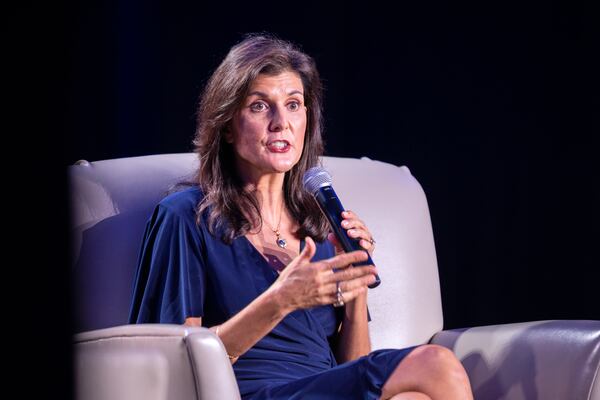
(278,144)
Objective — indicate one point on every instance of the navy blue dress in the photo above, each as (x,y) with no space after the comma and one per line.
(185,271)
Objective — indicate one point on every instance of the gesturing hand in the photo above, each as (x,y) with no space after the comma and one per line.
(305,284)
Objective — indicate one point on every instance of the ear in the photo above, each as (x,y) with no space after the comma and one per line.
(228,135)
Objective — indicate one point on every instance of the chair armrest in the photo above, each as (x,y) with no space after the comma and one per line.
(169,361)
(531,360)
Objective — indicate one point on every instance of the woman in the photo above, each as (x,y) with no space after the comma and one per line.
(247,253)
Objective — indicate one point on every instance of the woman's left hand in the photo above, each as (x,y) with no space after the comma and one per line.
(355,229)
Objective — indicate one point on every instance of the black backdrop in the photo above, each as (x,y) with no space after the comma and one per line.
(491,106)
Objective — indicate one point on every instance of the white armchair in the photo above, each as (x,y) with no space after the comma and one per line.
(111,201)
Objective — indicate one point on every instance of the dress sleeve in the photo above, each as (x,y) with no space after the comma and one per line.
(170,281)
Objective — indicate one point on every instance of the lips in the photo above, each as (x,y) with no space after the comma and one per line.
(278,146)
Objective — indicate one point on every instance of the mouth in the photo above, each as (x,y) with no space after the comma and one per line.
(278,146)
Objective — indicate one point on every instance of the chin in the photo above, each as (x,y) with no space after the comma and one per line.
(291,164)
(284,166)
(283,170)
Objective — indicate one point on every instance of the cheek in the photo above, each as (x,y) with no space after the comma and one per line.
(248,133)
(302,134)
(300,123)
(245,147)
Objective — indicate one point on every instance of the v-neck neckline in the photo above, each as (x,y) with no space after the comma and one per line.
(296,314)
(262,257)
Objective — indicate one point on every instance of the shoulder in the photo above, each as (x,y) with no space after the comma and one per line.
(182,203)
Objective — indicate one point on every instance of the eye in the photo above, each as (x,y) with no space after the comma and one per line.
(294,106)
(258,106)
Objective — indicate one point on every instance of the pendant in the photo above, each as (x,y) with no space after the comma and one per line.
(280,242)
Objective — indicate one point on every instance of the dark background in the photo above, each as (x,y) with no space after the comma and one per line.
(493,107)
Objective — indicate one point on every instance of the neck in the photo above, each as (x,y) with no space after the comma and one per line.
(269,192)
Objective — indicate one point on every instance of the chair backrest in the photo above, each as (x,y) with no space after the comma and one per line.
(112,199)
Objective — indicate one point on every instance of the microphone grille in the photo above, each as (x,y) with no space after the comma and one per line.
(315,178)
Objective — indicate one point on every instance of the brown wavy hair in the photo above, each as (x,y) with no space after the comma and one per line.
(224,195)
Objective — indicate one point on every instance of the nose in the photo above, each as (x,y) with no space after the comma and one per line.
(279,121)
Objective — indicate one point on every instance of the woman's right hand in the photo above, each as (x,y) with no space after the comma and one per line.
(305,284)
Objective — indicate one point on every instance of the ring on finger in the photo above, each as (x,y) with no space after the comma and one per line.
(339,296)
(372,241)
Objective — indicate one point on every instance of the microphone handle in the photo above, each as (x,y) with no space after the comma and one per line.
(332,208)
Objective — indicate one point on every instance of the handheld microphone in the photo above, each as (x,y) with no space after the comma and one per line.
(317,181)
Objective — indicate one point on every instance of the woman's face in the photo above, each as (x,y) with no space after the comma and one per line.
(267,133)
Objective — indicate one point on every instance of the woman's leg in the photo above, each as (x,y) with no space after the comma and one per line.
(432,370)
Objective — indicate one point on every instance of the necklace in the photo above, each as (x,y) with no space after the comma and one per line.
(281,242)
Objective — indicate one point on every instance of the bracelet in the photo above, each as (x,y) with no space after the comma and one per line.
(228,356)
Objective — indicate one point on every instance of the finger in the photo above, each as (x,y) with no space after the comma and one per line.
(367,245)
(363,237)
(350,220)
(359,234)
(348,214)
(354,293)
(355,226)
(336,243)
(333,239)
(348,274)
(345,259)
(309,250)
(356,283)
(346,295)
(349,223)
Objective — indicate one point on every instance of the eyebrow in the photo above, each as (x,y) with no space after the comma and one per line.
(262,94)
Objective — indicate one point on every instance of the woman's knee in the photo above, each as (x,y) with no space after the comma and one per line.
(439,359)
(430,369)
